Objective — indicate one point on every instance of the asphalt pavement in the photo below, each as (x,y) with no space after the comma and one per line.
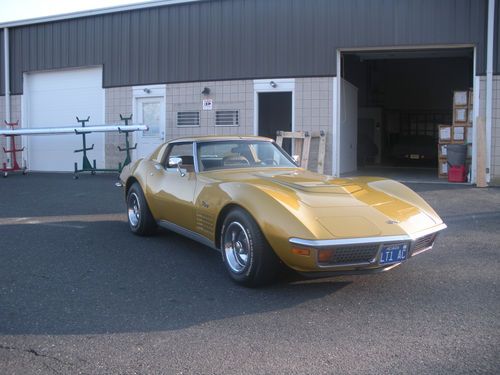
(79,294)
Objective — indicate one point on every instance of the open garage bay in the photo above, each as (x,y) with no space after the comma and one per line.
(80,294)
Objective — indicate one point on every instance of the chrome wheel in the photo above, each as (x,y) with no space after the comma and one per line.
(236,247)
(134,210)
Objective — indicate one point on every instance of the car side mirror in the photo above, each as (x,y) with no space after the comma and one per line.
(174,162)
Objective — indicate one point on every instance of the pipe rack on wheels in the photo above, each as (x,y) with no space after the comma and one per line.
(12,150)
(78,130)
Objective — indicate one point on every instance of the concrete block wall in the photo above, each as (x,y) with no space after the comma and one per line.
(15,113)
(495,126)
(117,101)
(226,95)
(495,133)
(314,112)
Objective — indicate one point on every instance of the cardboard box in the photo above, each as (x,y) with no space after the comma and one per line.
(443,168)
(469,134)
(442,151)
(460,98)
(470,116)
(458,134)
(445,133)
(460,115)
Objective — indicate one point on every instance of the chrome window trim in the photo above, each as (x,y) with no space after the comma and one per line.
(195,157)
(365,240)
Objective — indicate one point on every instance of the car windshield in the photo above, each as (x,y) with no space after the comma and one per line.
(241,154)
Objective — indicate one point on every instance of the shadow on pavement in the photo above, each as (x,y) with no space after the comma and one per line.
(91,278)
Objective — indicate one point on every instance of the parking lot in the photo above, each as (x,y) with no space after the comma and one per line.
(80,294)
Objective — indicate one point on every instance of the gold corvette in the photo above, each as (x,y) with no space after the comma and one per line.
(246,197)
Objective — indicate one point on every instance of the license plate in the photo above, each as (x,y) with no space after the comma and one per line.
(414,156)
(393,253)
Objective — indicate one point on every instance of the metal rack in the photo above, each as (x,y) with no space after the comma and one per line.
(127,147)
(86,165)
(15,167)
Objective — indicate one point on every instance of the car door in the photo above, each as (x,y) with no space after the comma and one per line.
(172,186)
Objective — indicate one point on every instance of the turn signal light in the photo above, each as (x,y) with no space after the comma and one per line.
(299,251)
(325,255)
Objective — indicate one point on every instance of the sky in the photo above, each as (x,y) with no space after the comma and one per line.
(13,10)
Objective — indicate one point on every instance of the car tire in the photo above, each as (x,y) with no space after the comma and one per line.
(247,256)
(140,219)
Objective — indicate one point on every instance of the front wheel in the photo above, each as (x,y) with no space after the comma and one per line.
(248,258)
(140,219)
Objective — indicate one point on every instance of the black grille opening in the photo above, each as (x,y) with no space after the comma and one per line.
(351,254)
(424,242)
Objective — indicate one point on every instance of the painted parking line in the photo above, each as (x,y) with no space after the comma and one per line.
(62,220)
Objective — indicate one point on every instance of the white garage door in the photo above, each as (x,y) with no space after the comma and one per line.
(55,99)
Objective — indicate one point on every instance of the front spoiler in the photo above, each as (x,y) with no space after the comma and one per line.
(361,271)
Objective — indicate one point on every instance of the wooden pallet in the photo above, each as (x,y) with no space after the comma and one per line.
(302,146)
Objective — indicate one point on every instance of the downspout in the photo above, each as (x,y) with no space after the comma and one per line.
(7,85)
(489,84)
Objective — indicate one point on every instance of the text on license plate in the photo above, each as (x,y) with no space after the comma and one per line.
(393,253)
(414,156)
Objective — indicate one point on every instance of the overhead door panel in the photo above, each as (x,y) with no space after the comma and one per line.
(55,99)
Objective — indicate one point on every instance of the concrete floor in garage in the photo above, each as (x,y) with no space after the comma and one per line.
(80,294)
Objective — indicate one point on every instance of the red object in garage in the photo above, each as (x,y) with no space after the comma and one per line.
(457,173)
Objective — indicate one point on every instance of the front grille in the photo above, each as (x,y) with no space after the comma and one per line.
(423,242)
(351,254)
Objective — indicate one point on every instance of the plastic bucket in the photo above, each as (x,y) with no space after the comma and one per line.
(457,154)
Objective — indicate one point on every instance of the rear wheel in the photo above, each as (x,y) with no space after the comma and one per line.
(248,258)
(140,219)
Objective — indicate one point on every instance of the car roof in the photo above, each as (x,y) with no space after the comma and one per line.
(212,138)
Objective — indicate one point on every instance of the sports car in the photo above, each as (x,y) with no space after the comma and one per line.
(246,197)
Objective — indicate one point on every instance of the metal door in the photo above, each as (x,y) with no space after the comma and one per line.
(150,112)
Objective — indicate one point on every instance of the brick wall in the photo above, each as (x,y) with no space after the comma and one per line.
(226,95)
(118,101)
(495,126)
(313,112)
(495,133)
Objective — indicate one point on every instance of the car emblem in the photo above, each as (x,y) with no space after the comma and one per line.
(392,222)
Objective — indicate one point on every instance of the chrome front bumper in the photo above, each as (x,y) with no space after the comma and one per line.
(350,248)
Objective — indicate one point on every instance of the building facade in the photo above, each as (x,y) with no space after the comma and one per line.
(200,67)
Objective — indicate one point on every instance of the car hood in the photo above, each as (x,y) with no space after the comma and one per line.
(345,207)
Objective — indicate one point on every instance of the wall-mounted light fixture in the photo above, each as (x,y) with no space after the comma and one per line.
(206,91)
(273,84)
(147,91)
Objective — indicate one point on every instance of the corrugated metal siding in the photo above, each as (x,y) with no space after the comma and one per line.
(229,39)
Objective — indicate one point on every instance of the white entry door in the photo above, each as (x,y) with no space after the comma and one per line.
(150,112)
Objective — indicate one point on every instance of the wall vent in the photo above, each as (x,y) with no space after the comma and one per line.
(227,118)
(188,119)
